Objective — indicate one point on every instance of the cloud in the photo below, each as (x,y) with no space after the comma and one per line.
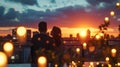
(105,3)
(53,1)
(26,2)
(2,9)
(11,14)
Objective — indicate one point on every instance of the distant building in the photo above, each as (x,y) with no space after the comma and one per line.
(78,36)
(88,34)
(28,35)
(14,35)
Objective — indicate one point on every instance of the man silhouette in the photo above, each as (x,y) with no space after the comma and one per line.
(41,41)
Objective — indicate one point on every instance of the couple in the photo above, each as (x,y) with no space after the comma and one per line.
(44,41)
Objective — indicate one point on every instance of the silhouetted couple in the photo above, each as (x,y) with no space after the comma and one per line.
(44,41)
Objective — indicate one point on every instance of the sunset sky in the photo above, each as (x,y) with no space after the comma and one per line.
(70,15)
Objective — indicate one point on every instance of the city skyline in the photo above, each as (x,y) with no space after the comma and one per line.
(8,30)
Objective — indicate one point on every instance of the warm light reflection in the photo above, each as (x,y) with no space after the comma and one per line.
(8,48)
(42,61)
(21,31)
(3,60)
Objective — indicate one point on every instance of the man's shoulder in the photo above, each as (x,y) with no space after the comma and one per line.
(36,35)
(44,36)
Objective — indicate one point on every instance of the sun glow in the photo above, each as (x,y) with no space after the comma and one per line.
(82,31)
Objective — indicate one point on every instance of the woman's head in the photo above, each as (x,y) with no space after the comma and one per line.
(56,32)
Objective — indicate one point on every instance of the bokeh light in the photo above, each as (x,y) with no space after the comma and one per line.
(84,45)
(113,51)
(112,13)
(118,4)
(97,37)
(3,59)
(42,60)
(78,50)
(106,19)
(21,31)
(107,59)
(91,48)
(8,48)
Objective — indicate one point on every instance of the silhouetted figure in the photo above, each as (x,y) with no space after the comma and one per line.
(56,33)
(41,41)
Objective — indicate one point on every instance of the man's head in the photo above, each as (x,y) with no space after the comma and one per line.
(42,26)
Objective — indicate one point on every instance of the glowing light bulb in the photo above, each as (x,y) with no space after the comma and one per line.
(78,50)
(112,13)
(118,4)
(21,31)
(97,37)
(106,19)
(8,48)
(113,51)
(107,59)
(84,45)
(3,60)
(42,61)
